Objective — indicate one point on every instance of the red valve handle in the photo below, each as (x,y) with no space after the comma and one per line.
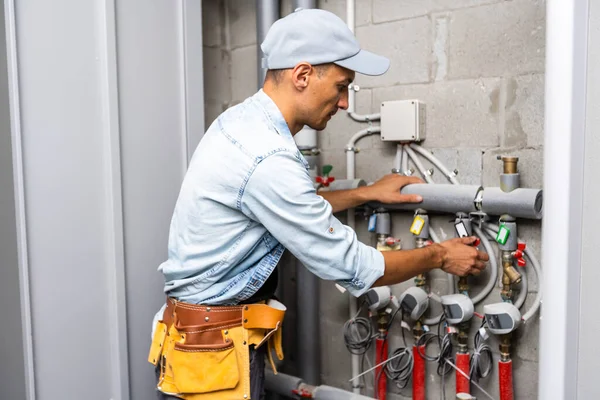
(521,262)
(522,246)
(518,254)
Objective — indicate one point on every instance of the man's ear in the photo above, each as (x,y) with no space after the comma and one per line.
(301,74)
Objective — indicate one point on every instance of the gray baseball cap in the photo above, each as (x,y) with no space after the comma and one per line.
(317,37)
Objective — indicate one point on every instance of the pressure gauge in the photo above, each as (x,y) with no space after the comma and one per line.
(502,318)
(414,301)
(457,308)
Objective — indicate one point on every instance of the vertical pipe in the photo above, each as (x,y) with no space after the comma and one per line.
(267,12)
(505,380)
(565,108)
(381,352)
(350,21)
(418,392)
(309,361)
(463,364)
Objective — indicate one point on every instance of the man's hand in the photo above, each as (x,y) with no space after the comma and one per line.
(462,258)
(387,189)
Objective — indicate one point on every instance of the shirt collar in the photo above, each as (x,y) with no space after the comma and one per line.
(275,116)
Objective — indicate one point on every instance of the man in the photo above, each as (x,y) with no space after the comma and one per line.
(247,196)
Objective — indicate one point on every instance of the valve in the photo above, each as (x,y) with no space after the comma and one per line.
(518,254)
(325,179)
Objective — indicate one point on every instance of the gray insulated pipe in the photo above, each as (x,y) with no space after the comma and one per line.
(286,385)
(520,203)
(440,198)
(267,12)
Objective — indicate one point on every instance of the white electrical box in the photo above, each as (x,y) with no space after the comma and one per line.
(402,121)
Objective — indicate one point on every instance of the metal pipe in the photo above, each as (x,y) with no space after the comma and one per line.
(304,4)
(351,222)
(267,12)
(292,386)
(309,346)
(307,288)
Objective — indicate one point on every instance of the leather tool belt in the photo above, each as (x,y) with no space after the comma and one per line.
(202,351)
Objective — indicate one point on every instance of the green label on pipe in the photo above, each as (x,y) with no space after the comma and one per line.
(503,234)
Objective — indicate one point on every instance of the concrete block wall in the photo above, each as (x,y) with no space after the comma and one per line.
(479,67)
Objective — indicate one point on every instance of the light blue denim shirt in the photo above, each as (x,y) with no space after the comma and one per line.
(246,197)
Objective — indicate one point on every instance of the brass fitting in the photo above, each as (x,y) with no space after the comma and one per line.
(509,270)
(463,337)
(420,280)
(418,330)
(505,344)
(510,164)
(383,320)
(463,284)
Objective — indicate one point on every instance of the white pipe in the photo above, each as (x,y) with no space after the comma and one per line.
(567,29)
(404,161)
(418,164)
(359,135)
(538,298)
(351,22)
(523,290)
(435,161)
(398,158)
(351,222)
(494,264)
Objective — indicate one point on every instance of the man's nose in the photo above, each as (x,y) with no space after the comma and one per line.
(343,101)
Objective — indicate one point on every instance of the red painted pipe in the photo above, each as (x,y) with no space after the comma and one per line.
(380,356)
(506,380)
(463,364)
(418,373)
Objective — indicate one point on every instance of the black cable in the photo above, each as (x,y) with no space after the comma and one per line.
(358,334)
(481,359)
(400,369)
(445,353)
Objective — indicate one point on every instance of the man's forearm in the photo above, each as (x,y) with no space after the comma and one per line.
(405,264)
(341,200)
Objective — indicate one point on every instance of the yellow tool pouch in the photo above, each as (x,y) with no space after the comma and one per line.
(211,360)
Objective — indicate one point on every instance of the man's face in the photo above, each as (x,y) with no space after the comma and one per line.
(327,93)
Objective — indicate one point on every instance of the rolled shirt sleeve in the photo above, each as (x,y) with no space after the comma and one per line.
(280,195)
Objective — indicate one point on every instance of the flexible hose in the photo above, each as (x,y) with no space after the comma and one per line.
(492,230)
(494,265)
(449,276)
(434,160)
(520,300)
(538,298)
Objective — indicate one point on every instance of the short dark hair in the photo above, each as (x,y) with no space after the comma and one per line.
(276,75)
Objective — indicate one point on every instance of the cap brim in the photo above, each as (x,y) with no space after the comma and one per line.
(365,63)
